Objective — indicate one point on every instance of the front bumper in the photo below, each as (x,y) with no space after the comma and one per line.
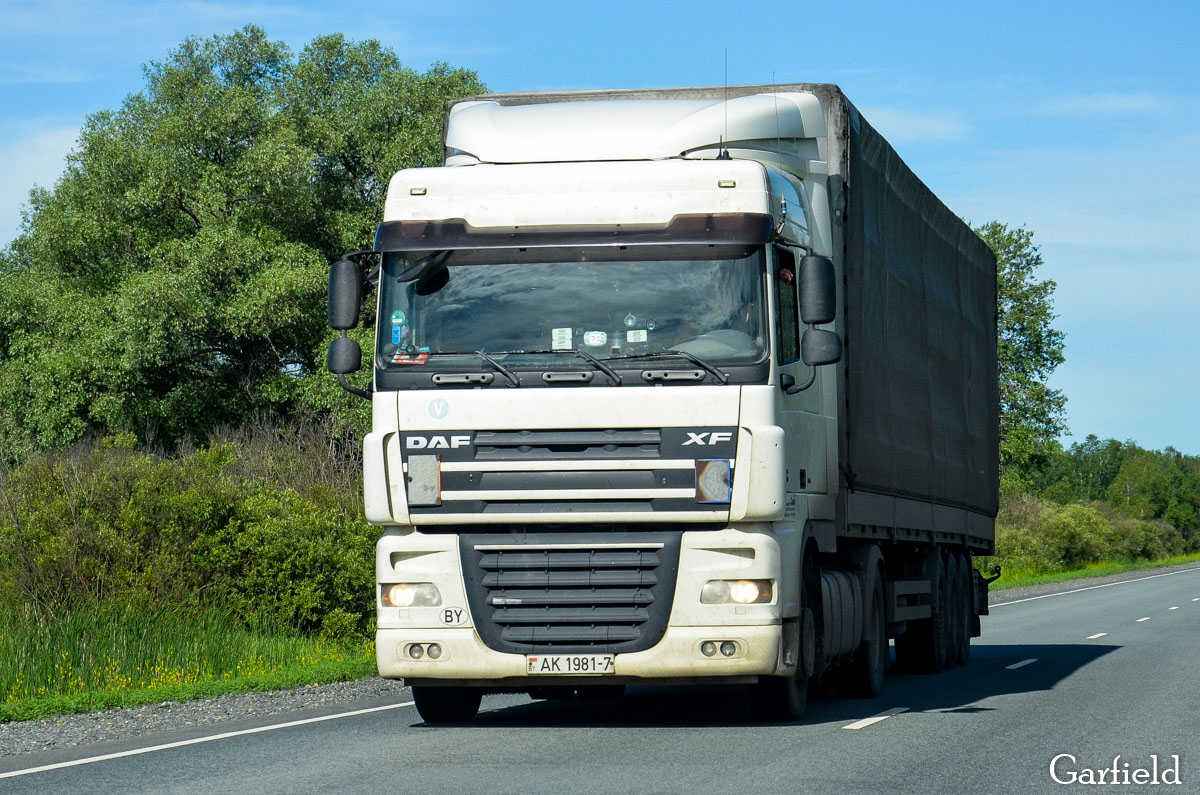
(465,659)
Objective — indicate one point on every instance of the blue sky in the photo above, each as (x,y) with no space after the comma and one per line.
(1079,120)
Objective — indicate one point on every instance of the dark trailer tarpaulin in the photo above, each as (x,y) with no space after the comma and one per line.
(919,388)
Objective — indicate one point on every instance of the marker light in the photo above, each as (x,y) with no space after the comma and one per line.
(405,594)
(742,592)
(434,650)
(708,648)
(728,648)
(415,651)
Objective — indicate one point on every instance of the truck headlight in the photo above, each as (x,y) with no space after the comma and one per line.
(410,594)
(742,592)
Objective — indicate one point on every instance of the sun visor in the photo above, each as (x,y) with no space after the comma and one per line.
(725,229)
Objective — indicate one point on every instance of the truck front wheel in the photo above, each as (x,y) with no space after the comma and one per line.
(447,704)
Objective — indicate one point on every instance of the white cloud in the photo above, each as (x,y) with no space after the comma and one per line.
(1107,105)
(41,73)
(911,126)
(35,155)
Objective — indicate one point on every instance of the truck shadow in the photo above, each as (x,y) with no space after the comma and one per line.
(962,690)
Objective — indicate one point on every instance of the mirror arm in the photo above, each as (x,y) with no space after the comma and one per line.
(794,388)
(365,394)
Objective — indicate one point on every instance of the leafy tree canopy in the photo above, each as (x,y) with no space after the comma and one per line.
(173,279)
(1032,415)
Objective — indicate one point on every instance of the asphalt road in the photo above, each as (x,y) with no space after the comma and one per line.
(1097,673)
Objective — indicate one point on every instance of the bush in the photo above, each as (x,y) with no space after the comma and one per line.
(266,524)
(1043,537)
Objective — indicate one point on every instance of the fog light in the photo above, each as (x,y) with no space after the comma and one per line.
(409,594)
(434,651)
(708,648)
(415,651)
(729,648)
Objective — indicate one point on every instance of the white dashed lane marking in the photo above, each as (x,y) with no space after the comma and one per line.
(1173,608)
(865,722)
(1140,620)
(1097,635)
(1021,664)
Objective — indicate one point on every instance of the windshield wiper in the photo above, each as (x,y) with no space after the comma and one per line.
(512,379)
(604,368)
(601,366)
(691,357)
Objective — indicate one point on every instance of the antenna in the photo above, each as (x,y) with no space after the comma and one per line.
(779,153)
(724,153)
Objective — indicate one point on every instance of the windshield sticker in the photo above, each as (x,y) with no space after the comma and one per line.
(407,358)
(395,335)
(560,339)
(397,317)
(594,338)
(636,335)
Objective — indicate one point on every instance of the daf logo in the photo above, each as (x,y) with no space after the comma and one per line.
(715,437)
(437,442)
(438,409)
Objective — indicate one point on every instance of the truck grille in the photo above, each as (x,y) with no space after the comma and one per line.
(552,593)
(455,474)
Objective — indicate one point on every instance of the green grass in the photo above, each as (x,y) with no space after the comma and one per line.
(118,655)
(1018,579)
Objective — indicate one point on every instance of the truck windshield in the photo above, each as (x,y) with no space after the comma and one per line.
(527,314)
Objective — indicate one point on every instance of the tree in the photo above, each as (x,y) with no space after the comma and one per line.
(173,280)
(1032,415)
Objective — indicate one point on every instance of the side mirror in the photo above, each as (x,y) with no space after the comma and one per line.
(345,296)
(818,291)
(345,356)
(818,347)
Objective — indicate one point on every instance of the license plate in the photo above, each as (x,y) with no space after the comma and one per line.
(569,664)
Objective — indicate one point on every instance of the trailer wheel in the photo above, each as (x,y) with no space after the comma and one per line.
(865,677)
(447,704)
(922,649)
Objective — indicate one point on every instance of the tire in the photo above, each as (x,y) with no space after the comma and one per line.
(779,698)
(785,698)
(922,648)
(447,704)
(864,679)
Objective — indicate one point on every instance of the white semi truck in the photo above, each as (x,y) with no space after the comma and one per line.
(679,386)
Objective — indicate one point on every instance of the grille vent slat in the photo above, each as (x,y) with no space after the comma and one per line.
(537,445)
(608,598)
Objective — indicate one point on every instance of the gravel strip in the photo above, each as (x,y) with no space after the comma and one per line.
(67,731)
